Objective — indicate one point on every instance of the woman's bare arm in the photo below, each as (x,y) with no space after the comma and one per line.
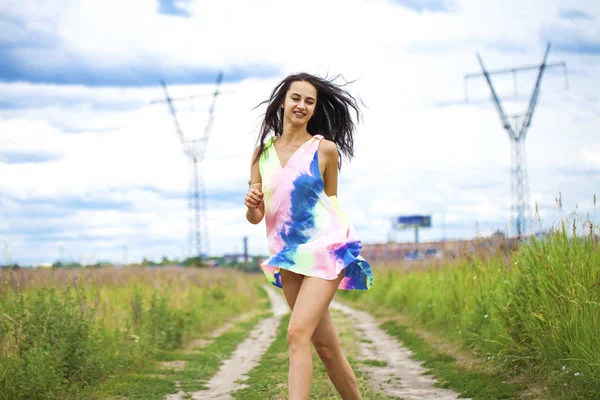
(254,197)
(329,151)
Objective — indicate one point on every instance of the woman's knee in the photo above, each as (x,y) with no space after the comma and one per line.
(326,349)
(297,334)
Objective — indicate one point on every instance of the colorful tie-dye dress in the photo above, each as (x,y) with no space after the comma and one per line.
(307,231)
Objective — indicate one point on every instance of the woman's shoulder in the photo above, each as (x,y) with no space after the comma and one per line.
(327,146)
(267,143)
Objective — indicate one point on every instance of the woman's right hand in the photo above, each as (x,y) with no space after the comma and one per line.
(253,198)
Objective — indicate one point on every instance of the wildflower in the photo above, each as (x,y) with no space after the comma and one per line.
(576,374)
(485,316)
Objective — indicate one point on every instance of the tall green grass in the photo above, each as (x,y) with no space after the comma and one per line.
(61,332)
(538,309)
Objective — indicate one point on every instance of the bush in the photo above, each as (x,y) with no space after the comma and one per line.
(59,335)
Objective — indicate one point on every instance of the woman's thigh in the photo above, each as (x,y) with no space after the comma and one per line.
(291,282)
(325,333)
(312,303)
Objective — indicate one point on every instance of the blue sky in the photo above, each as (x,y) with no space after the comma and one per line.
(427,5)
(175,8)
(89,165)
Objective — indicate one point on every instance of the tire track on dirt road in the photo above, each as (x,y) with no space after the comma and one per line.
(247,355)
(196,346)
(400,376)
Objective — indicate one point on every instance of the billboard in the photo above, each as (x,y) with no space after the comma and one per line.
(411,221)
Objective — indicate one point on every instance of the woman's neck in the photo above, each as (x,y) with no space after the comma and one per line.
(294,134)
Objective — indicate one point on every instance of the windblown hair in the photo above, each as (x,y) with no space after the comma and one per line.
(332,117)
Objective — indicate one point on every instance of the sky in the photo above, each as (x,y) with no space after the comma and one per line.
(91,168)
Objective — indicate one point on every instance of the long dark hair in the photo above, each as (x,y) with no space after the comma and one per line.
(332,117)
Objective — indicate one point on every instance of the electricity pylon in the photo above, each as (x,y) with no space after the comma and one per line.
(517,126)
(195,150)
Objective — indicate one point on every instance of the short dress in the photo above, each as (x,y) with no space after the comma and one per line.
(307,231)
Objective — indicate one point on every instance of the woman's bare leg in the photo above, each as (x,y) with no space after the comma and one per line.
(326,343)
(310,305)
(291,282)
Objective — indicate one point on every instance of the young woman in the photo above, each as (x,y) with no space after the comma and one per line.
(314,249)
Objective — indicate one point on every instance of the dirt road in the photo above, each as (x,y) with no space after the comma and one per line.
(397,376)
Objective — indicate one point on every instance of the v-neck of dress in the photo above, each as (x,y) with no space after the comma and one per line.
(282,167)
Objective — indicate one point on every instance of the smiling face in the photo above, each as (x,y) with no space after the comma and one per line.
(300,102)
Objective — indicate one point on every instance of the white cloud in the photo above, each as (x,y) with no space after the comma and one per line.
(591,157)
(412,157)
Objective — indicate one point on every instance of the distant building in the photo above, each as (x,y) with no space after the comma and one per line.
(210,263)
(391,251)
(234,258)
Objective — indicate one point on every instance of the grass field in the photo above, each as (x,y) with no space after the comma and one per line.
(64,332)
(535,312)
